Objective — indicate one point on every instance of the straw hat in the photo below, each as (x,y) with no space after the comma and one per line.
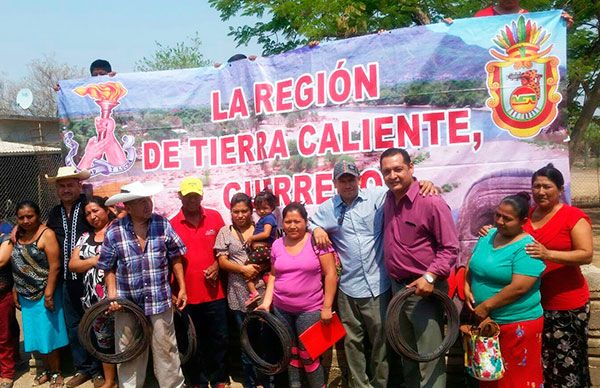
(68,173)
(135,190)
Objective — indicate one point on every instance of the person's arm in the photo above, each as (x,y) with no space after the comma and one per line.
(330,285)
(268,297)
(518,287)
(582,252)
(110,281)
(76,264)
(319,222)
(265,234)
(248,271)
(5,252)
(469,299)
(50,246)
(177,266)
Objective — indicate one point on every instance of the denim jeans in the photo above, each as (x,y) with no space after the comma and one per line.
(82,360)
(251,377)
(209,364)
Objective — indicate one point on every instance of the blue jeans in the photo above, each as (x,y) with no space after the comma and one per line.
(82,360)
(209,364)
(251,377)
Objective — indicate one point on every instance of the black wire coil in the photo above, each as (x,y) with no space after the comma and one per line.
(281,331)
(138,344)
(393,328)
(185,331)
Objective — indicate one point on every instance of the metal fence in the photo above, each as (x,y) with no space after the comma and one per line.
(585,182)
(22,177)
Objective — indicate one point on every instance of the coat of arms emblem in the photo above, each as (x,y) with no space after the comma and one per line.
(523,83)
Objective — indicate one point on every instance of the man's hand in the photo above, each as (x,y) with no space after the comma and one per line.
(313,43)
(448,21)
(212,272)
(181,300)
(427,188)
(485,229)
(568,18)
(114,306)
(537,251)
(322,238)
(423,287)
(250,271)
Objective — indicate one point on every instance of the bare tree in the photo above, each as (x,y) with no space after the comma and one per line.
(43,74)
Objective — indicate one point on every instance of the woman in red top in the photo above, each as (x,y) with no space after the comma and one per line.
(563,237)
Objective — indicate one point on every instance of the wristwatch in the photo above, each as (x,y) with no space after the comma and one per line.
(430,279)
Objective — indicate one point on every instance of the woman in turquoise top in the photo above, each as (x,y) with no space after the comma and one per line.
(503,284)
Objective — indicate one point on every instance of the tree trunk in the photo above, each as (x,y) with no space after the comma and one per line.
(592,101)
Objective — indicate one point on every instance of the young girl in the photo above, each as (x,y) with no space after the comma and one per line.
(259,244)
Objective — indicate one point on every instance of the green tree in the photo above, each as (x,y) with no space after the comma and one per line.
(183,55)
(287,24)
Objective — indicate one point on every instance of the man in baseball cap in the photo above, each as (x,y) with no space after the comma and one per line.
(198,227)
(353,220)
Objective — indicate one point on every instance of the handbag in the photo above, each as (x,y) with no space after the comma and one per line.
(483,358)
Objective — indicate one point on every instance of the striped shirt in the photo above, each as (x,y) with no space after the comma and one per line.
(142,276)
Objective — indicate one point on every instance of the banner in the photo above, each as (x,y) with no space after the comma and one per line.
(476,103)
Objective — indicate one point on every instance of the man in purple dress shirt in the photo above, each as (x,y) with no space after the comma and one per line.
(420,248)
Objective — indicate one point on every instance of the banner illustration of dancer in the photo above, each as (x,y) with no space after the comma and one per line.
(103,153)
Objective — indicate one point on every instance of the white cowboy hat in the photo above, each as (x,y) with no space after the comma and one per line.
(68,173)
(135,190)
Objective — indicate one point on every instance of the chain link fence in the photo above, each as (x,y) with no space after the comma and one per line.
(585,181)
(22,177)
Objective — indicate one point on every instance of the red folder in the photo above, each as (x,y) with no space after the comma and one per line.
(320,337)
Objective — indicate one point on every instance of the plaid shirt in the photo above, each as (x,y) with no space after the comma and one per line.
(142,277)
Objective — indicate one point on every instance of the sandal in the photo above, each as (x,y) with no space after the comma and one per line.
(42,378)
(56,381)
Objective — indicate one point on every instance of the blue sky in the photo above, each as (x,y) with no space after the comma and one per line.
(124,31)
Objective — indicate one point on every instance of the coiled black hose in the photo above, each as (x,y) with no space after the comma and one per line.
(394,330)
(186,335)
(282,333)
(138,344)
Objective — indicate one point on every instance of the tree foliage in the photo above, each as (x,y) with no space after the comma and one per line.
(287,24)
(43,73)
(183,55)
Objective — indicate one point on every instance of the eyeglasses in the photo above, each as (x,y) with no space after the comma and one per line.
(342,214)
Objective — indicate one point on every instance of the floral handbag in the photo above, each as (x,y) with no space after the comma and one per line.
(483,359)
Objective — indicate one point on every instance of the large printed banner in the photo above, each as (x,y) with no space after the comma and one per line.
(476,103)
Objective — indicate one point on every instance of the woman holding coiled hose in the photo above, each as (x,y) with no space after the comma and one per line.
(301,288)
(84,260)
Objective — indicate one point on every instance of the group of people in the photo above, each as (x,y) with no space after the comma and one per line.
(524,274)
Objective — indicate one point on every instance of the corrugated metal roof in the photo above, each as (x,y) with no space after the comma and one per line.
(28,118)
(9,148)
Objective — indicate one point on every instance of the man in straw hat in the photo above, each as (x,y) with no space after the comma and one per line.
(67,220)
(138,254)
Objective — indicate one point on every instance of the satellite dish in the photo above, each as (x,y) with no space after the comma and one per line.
(24,98)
